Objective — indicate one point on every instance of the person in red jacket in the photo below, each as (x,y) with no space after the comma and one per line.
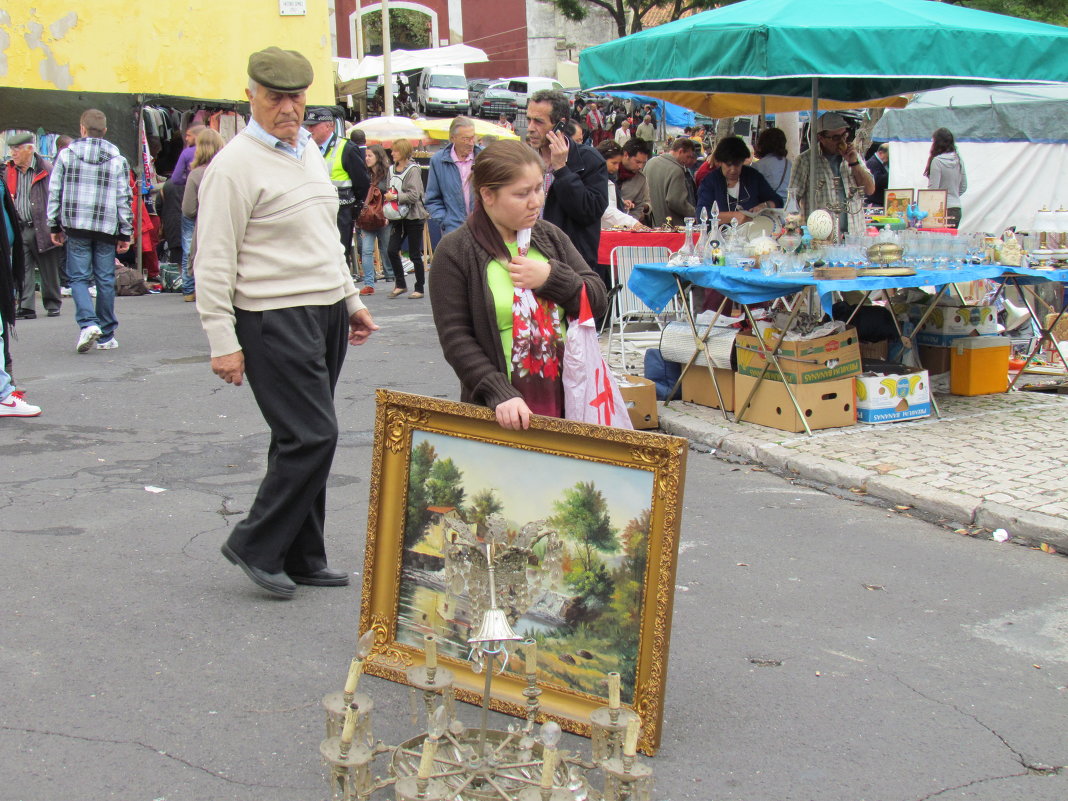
(26,175)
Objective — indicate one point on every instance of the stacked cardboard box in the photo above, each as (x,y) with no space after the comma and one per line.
(820,372)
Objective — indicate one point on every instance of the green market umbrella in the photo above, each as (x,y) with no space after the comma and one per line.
(836,50)
(857,51)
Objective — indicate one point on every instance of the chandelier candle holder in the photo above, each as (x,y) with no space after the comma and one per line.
(450,762)
(337,704)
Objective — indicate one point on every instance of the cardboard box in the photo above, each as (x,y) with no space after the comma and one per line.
(639,396)
(889,397)
(948,323)
(979,365)
(697,387)
(829,404)
(935,360)
(805,361)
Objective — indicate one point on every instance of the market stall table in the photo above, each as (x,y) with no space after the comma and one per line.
(657,284)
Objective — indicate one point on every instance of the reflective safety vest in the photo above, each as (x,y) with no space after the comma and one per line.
(338,176)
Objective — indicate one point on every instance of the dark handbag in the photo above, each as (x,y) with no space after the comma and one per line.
(371,217)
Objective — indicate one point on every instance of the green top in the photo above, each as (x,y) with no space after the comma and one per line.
(503,291)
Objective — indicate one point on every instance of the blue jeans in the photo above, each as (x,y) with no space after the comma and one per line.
(92,260)
(189,285)
(367,253)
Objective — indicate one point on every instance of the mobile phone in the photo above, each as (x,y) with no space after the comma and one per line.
(563,127)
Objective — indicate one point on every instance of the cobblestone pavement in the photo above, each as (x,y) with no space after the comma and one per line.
(995,461)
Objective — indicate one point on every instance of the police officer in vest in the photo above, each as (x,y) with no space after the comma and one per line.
(348,172)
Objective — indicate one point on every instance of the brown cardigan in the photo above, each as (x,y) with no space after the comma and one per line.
(464,312)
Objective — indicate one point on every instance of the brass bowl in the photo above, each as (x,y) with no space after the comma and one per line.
(885,253)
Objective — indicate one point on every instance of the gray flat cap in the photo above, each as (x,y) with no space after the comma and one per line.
(280,70)
(19,139)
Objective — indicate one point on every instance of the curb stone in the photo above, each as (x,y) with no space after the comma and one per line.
(961,508)
(946,505)
(1022,524)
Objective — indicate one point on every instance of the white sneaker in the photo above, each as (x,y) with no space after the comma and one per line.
(111,344)
(89,335)
(14,405)
(65,291)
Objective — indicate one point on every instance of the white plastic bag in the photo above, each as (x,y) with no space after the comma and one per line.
(591,394)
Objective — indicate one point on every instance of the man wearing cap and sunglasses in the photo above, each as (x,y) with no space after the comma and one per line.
(277,302)
(348,173)
(842,179)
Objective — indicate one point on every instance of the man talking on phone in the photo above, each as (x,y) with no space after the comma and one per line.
(842,179)
(576,179)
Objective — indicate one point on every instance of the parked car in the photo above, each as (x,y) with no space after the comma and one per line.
(475,89)
(497,99)
(443,90)
(527,85)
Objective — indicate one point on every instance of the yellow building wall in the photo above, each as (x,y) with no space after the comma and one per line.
(188,48)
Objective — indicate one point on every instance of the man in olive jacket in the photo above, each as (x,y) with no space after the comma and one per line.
(671,188)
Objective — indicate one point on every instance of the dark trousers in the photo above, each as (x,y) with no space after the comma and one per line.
(345,224)
(48,263)
(413,230)
(293,358)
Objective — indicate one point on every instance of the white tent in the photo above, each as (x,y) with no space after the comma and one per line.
(349,69)
(1012,139)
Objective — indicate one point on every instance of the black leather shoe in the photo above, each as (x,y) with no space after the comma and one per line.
(323,578)
(53,312)
(25,314)
(277,584)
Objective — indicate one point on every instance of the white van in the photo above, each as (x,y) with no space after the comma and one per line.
(527,85)
(443,90)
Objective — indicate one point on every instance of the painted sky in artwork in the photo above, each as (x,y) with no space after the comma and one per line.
(526,481)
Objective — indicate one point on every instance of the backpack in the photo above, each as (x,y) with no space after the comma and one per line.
(371,217)
(392,209)
(129,281)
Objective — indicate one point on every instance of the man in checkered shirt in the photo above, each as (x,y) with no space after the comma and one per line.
(89,208)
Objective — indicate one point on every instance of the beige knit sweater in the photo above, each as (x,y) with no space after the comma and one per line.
(266,238)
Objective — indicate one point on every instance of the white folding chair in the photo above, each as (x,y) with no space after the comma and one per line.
(631,320)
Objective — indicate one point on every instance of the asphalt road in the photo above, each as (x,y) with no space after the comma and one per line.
(822,648)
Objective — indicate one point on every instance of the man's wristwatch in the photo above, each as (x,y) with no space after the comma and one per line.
(855,164)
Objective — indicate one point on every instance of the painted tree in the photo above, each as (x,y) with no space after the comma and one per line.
(583,516)
(445,486)
(483,504)
(423,458)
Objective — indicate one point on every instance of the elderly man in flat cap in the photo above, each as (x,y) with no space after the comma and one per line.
(277,303)
(842,179)
(348,173)
(26,175)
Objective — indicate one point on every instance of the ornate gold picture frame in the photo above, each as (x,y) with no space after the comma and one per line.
(595,588)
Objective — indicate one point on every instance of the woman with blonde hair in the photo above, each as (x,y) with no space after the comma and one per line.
(504,246)
(406,188)
(209,143)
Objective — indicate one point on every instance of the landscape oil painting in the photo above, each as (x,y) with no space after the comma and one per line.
(582,585)
(580,523)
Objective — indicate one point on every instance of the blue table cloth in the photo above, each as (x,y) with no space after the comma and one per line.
(655,283)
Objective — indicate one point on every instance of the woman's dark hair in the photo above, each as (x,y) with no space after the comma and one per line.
(498,165)
(381,168)
(609,149)
(731,150)
(771,142)
(941,142)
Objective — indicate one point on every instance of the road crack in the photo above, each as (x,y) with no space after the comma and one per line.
(153,749)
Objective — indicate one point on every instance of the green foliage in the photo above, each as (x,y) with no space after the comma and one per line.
(594,586)
(483,504)
(630,15)
(1054,12)
(583,516)
(445,485)
(408,29)
(423,458)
